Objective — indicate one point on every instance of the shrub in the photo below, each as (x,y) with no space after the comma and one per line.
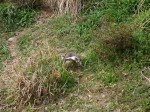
(122,39)
(113,38)
(119,37)
(13,17)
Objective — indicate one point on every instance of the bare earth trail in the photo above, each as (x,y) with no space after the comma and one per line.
(7,76)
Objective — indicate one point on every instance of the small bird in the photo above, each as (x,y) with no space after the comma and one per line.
(71,61)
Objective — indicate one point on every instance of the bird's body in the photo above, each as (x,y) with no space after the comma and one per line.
(71,60)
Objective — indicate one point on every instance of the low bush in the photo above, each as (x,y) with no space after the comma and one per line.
(112,39)
(124,39)
(118,37)
(13,17)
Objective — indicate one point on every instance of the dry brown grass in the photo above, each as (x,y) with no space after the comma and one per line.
(35,85)
(117,38)
(71,6)
(36,79)
(65,6)
(61,6)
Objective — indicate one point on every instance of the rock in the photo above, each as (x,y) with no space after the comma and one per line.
(11,41)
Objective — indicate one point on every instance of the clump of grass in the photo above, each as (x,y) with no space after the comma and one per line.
(119,38)
(13,17)
(112,39)
(40,79)
(115,40)
(23,43)
(130,94)
(4,53)
(91,61)
(109,78)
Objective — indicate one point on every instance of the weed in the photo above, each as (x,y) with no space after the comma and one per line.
(13,17)
(91,61)
(119,38)
(145,103)
(109,78)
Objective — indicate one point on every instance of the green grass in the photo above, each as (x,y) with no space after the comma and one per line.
(4,51)
(13,17)
(113,38)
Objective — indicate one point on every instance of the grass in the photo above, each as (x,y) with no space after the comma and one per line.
(4,51)
(13,17)
(113,41)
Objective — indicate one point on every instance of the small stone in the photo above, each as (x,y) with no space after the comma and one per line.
(103,96)
(13,54)
(77,110)
(46,108)
(11,40)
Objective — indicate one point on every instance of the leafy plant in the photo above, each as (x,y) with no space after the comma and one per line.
(13,17)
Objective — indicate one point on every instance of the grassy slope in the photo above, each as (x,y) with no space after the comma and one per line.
(11,19)
(106,83)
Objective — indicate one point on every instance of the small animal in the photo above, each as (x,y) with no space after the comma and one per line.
(71,60)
